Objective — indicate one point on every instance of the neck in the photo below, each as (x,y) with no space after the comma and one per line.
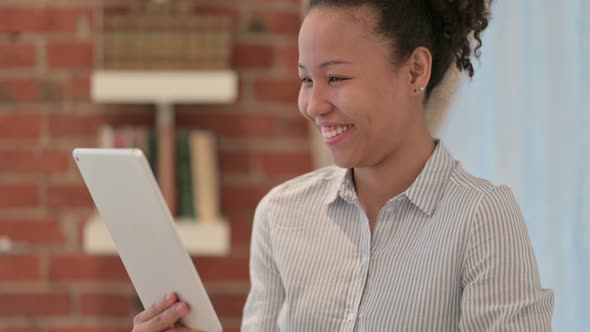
(378,183)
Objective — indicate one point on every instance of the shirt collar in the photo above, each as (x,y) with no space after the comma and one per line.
(428,188)
(342,187)
(425,192)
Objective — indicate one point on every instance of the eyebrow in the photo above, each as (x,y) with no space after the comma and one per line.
(327,63)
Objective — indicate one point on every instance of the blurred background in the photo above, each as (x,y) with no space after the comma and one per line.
(522,121)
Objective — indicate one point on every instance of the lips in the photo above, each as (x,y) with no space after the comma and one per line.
(334,130)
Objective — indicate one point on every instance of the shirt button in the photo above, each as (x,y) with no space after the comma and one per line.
(350,317)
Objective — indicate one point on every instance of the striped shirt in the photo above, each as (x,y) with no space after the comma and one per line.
(451,253)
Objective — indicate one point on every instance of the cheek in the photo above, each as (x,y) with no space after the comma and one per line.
(356,105)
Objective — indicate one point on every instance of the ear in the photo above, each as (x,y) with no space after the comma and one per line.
(420,65)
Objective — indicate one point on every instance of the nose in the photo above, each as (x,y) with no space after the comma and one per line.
(318,103)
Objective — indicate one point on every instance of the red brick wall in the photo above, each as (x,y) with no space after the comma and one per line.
(47,53)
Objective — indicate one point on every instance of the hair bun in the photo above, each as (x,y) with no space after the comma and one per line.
(455,21)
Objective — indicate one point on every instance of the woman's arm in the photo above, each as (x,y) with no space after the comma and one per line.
(266,293)
(501,286)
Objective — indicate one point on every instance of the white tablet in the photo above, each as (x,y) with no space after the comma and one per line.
(135,213)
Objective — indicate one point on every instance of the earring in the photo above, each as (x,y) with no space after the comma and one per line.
(418,89)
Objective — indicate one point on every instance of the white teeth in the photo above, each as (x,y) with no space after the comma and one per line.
(329,133)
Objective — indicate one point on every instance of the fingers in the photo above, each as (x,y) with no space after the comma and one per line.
(166,318)
(156,308)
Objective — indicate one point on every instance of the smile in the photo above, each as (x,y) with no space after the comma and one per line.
(333,131)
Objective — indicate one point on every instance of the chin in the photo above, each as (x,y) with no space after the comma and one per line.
(344,161)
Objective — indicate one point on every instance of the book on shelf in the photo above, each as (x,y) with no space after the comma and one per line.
(142,138)
(160,42)
(205,171)
(184,176)
(198,182)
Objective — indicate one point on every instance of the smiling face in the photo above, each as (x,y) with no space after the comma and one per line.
(350,89)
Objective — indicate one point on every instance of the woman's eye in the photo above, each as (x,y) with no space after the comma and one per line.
(305,80)
(333,79)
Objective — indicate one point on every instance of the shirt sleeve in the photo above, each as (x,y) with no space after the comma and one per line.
(267,294)
(501,285)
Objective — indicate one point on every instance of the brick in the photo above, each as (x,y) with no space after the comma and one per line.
(69,196)
(266,2)
(54,161)
(294,126)
(133,115)
(32,231)
(284,163)
(288,59)
(74,124)
(19,90)
(241,198)
(247,56)
(110,8)
(30,19)
(21,161)
(34,162)
(17,56)
(19,195)
(276,22)
(40,303)
(70,55)
(241,233)
(41,89)
(77,88)
(234,13)
(230,125)
(20,125)
(234,162)
(228,304)
(19,268)
(107,304)
(285,91)
(87,268)
(90,14)
(222,268)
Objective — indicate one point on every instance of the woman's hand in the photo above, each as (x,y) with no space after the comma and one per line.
(162,316)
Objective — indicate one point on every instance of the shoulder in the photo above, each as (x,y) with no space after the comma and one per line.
(488,200)
(312,185)
(463,180)
(309,187)
(494,208)
(475,187)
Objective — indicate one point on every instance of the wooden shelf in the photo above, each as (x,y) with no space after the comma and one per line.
(199,238)
(164,89)
(116,86)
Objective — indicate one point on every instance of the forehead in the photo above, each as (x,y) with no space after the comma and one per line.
(346,32)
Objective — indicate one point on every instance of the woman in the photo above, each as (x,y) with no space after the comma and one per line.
(397,236)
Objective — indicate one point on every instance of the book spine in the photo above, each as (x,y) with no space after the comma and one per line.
(152,150)
(166,155)
(184,185)
(206,181)
(107,137)
(141,139)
